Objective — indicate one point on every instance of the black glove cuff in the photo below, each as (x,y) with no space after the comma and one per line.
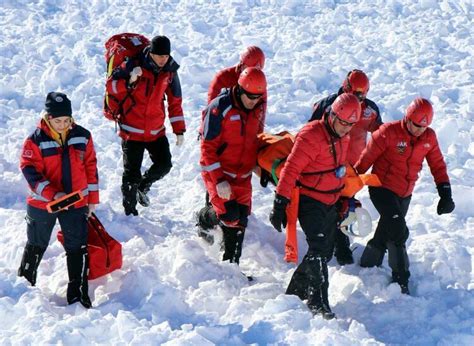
(280,202)
(444,190)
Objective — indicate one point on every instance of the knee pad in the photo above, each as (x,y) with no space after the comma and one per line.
(232,212)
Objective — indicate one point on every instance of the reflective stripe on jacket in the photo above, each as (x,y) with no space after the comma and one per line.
(43,165)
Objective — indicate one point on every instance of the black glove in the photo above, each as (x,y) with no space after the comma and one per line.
(278,214)
(446,203)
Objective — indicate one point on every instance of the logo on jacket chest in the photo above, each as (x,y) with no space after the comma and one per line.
(367,113)
(402,147)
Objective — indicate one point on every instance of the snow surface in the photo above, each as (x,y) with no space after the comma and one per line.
(173,289)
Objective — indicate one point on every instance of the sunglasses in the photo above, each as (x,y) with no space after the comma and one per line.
(360,95)
(253,96)
(417,126)
(342,122)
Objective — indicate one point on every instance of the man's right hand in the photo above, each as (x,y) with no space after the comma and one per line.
(136,72)
(278,214)
(224,190)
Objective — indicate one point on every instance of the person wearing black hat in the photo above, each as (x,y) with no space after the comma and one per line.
(141,84)
(58,159)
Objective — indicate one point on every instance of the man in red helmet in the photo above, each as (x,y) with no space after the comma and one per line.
(356,83)
(251,56)
(317,165)
(396,152)
(229,129)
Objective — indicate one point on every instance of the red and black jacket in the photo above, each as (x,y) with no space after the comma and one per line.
(50,167)
(229,138)
(144,109)
(397,157)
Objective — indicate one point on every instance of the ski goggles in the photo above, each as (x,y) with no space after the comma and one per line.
(360,95)
(252,96)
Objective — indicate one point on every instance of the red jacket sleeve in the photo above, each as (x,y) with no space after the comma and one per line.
(175,110)
(90,162)
(372,151)
(214,88)
(32,166)
(436,161)
(210,144)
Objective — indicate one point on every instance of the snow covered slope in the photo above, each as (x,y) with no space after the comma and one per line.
(173,289)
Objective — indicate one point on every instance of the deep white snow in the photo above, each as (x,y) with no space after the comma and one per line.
(173,289)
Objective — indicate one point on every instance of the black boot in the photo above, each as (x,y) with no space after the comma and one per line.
(299,282)
(233,240)
(342,250)
(206,221)
(398,261)
(78,286)
(143,189)
(372,256)
(30,261)
(129,192)
(318,286)
(327,313)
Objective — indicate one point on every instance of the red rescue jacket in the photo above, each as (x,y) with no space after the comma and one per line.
(397,157)
(229,139)
(144,119)
(227,78)
(312,164)
(50,168)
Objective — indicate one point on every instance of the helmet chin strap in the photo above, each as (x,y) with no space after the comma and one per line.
(329,121)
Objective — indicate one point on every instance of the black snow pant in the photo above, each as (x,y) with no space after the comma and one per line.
(310,279)
(132,180)
(133,151)
(39,227)
(391,233)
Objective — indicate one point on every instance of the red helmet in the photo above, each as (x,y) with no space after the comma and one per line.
(347,107)
(420,111)
(253,80)
(252,57)
(356,82)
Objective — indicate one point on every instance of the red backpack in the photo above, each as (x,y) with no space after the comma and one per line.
(118,48)
(105,253)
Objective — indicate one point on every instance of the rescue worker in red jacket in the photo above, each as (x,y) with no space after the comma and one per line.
(317,165)
(252,56)
(229,130)
(58,159)
(143,83)
(357,83)
(396,153)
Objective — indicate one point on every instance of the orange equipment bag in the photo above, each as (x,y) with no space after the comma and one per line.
(274,149)
(105,253)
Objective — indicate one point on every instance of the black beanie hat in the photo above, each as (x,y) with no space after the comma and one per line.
(160,45)
(58,105)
